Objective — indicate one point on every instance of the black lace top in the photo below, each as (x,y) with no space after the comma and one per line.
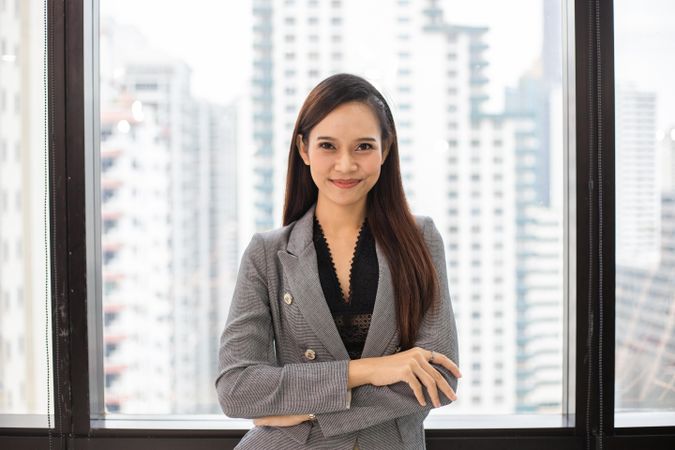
(351,315)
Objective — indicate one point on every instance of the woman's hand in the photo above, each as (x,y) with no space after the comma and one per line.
(413,367)
(280,421)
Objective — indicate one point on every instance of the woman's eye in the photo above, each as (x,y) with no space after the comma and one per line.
(328,145)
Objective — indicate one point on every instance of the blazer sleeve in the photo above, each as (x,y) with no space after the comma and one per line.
(371,404)
(250,383)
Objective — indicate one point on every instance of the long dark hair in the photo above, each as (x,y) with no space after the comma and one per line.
(389,218)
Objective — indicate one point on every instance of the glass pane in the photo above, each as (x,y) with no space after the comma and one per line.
(195,128)
(645,207)
(25,335)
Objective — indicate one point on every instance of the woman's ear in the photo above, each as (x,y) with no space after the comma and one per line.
(302,150)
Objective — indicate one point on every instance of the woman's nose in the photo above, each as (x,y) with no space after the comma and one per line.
(345,162)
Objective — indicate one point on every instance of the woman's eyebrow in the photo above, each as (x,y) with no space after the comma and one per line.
(359,139)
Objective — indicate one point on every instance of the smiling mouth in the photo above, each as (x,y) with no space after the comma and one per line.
(345,184)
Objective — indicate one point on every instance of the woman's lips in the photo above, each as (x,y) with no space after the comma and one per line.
(345,185)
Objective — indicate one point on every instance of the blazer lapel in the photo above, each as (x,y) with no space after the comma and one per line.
(301,269)
(383,326)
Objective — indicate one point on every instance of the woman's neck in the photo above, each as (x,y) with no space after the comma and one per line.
(338,220)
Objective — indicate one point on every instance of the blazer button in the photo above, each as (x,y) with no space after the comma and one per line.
(398,349)
(309,354)
(288,298)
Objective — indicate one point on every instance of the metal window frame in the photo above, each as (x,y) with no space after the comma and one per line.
(591,109)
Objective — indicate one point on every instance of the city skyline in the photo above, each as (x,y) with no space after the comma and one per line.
(513,145)
(232,23)
(650,36)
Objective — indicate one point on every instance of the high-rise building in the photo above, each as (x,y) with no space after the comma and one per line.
(645,311)
(219,251)
(645,314)
(540,336)
(25,284)
(194,160)
(638,227)
(471,170)
(539,266)
(136,278)
(667,149)
(539,223)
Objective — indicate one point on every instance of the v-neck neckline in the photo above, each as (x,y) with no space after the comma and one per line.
(336,280)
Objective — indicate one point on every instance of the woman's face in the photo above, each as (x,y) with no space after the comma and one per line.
(345,146)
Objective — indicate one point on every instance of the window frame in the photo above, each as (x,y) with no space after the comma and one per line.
(590,95)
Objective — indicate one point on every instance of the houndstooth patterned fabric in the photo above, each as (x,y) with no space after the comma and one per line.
(281,353)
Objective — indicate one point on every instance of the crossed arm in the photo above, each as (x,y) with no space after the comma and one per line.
(371,404)
(250,384)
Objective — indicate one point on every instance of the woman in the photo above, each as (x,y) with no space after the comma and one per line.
(341,333)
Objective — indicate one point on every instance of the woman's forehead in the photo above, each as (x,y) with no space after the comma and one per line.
(348,122)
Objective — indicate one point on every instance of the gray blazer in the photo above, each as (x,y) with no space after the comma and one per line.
(281,352)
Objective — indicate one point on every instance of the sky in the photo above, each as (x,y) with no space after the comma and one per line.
(211,36)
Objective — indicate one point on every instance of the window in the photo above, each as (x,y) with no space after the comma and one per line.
(148,248)
(175,252)
(25,288)
(645,204)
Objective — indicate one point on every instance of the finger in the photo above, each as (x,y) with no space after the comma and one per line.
(450,365)
(432,381)
(416,387)
(424,372)
(443,384)
(440,358)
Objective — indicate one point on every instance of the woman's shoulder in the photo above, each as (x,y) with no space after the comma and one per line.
(421,220)
(429,230)
(263,245)
(424,223)
(275,238)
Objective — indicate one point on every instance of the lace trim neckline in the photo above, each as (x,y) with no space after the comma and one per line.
(351,261)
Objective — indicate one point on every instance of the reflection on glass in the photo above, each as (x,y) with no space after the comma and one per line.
(25,337)
(645,207)
(195,124)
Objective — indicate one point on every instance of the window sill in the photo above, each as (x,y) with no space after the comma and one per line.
(217,422)
(24,421)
